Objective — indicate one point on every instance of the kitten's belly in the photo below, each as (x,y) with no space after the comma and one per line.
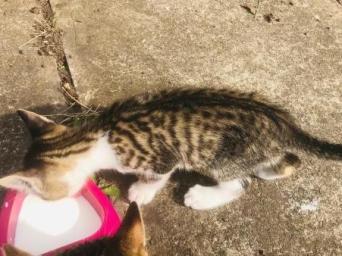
(47,225)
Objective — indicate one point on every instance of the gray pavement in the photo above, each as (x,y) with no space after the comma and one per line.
(116,48)
(290,51)
(27,80)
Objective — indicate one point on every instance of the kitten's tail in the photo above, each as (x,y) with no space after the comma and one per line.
(318,147)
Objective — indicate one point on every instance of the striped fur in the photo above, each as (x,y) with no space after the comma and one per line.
(202,129)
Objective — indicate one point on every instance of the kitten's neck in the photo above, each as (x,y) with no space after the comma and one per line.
(100,156)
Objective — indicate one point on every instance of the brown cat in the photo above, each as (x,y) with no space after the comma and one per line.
(129,241)
(207,130)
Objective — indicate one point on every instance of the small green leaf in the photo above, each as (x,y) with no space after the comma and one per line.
(112,191)
(109,189)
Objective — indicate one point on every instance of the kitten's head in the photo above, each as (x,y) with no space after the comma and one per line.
(129,241)
(47,159)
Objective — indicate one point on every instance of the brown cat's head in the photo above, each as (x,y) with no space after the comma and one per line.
(55,151)
(129,241)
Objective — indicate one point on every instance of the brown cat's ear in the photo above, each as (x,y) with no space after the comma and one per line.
(36,124)
(10,250)
(20,182)
(132,232)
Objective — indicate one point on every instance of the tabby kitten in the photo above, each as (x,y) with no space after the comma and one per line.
(129,241)
(207,130)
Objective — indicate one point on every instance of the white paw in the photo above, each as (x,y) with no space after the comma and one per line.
(141,193)
(202,198)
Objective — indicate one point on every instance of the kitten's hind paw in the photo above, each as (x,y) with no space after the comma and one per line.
(203,197)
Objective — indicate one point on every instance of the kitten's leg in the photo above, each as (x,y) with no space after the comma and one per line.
(278,168)
(207,197)
(144,190)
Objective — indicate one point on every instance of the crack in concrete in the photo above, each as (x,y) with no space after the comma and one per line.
(51,44)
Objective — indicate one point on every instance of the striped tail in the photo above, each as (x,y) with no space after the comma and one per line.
(318,147)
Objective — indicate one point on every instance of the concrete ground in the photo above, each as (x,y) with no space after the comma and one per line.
(27,80)
(288,50)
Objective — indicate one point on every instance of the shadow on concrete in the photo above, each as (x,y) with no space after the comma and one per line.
(186,179)
(122,181)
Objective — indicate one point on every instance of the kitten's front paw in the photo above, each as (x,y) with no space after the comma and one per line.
(141,193)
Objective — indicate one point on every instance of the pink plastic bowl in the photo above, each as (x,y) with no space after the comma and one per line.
(12,203)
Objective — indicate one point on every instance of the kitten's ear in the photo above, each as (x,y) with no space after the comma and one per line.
(132,232)
(10,250)
(20,182)
(36,124)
